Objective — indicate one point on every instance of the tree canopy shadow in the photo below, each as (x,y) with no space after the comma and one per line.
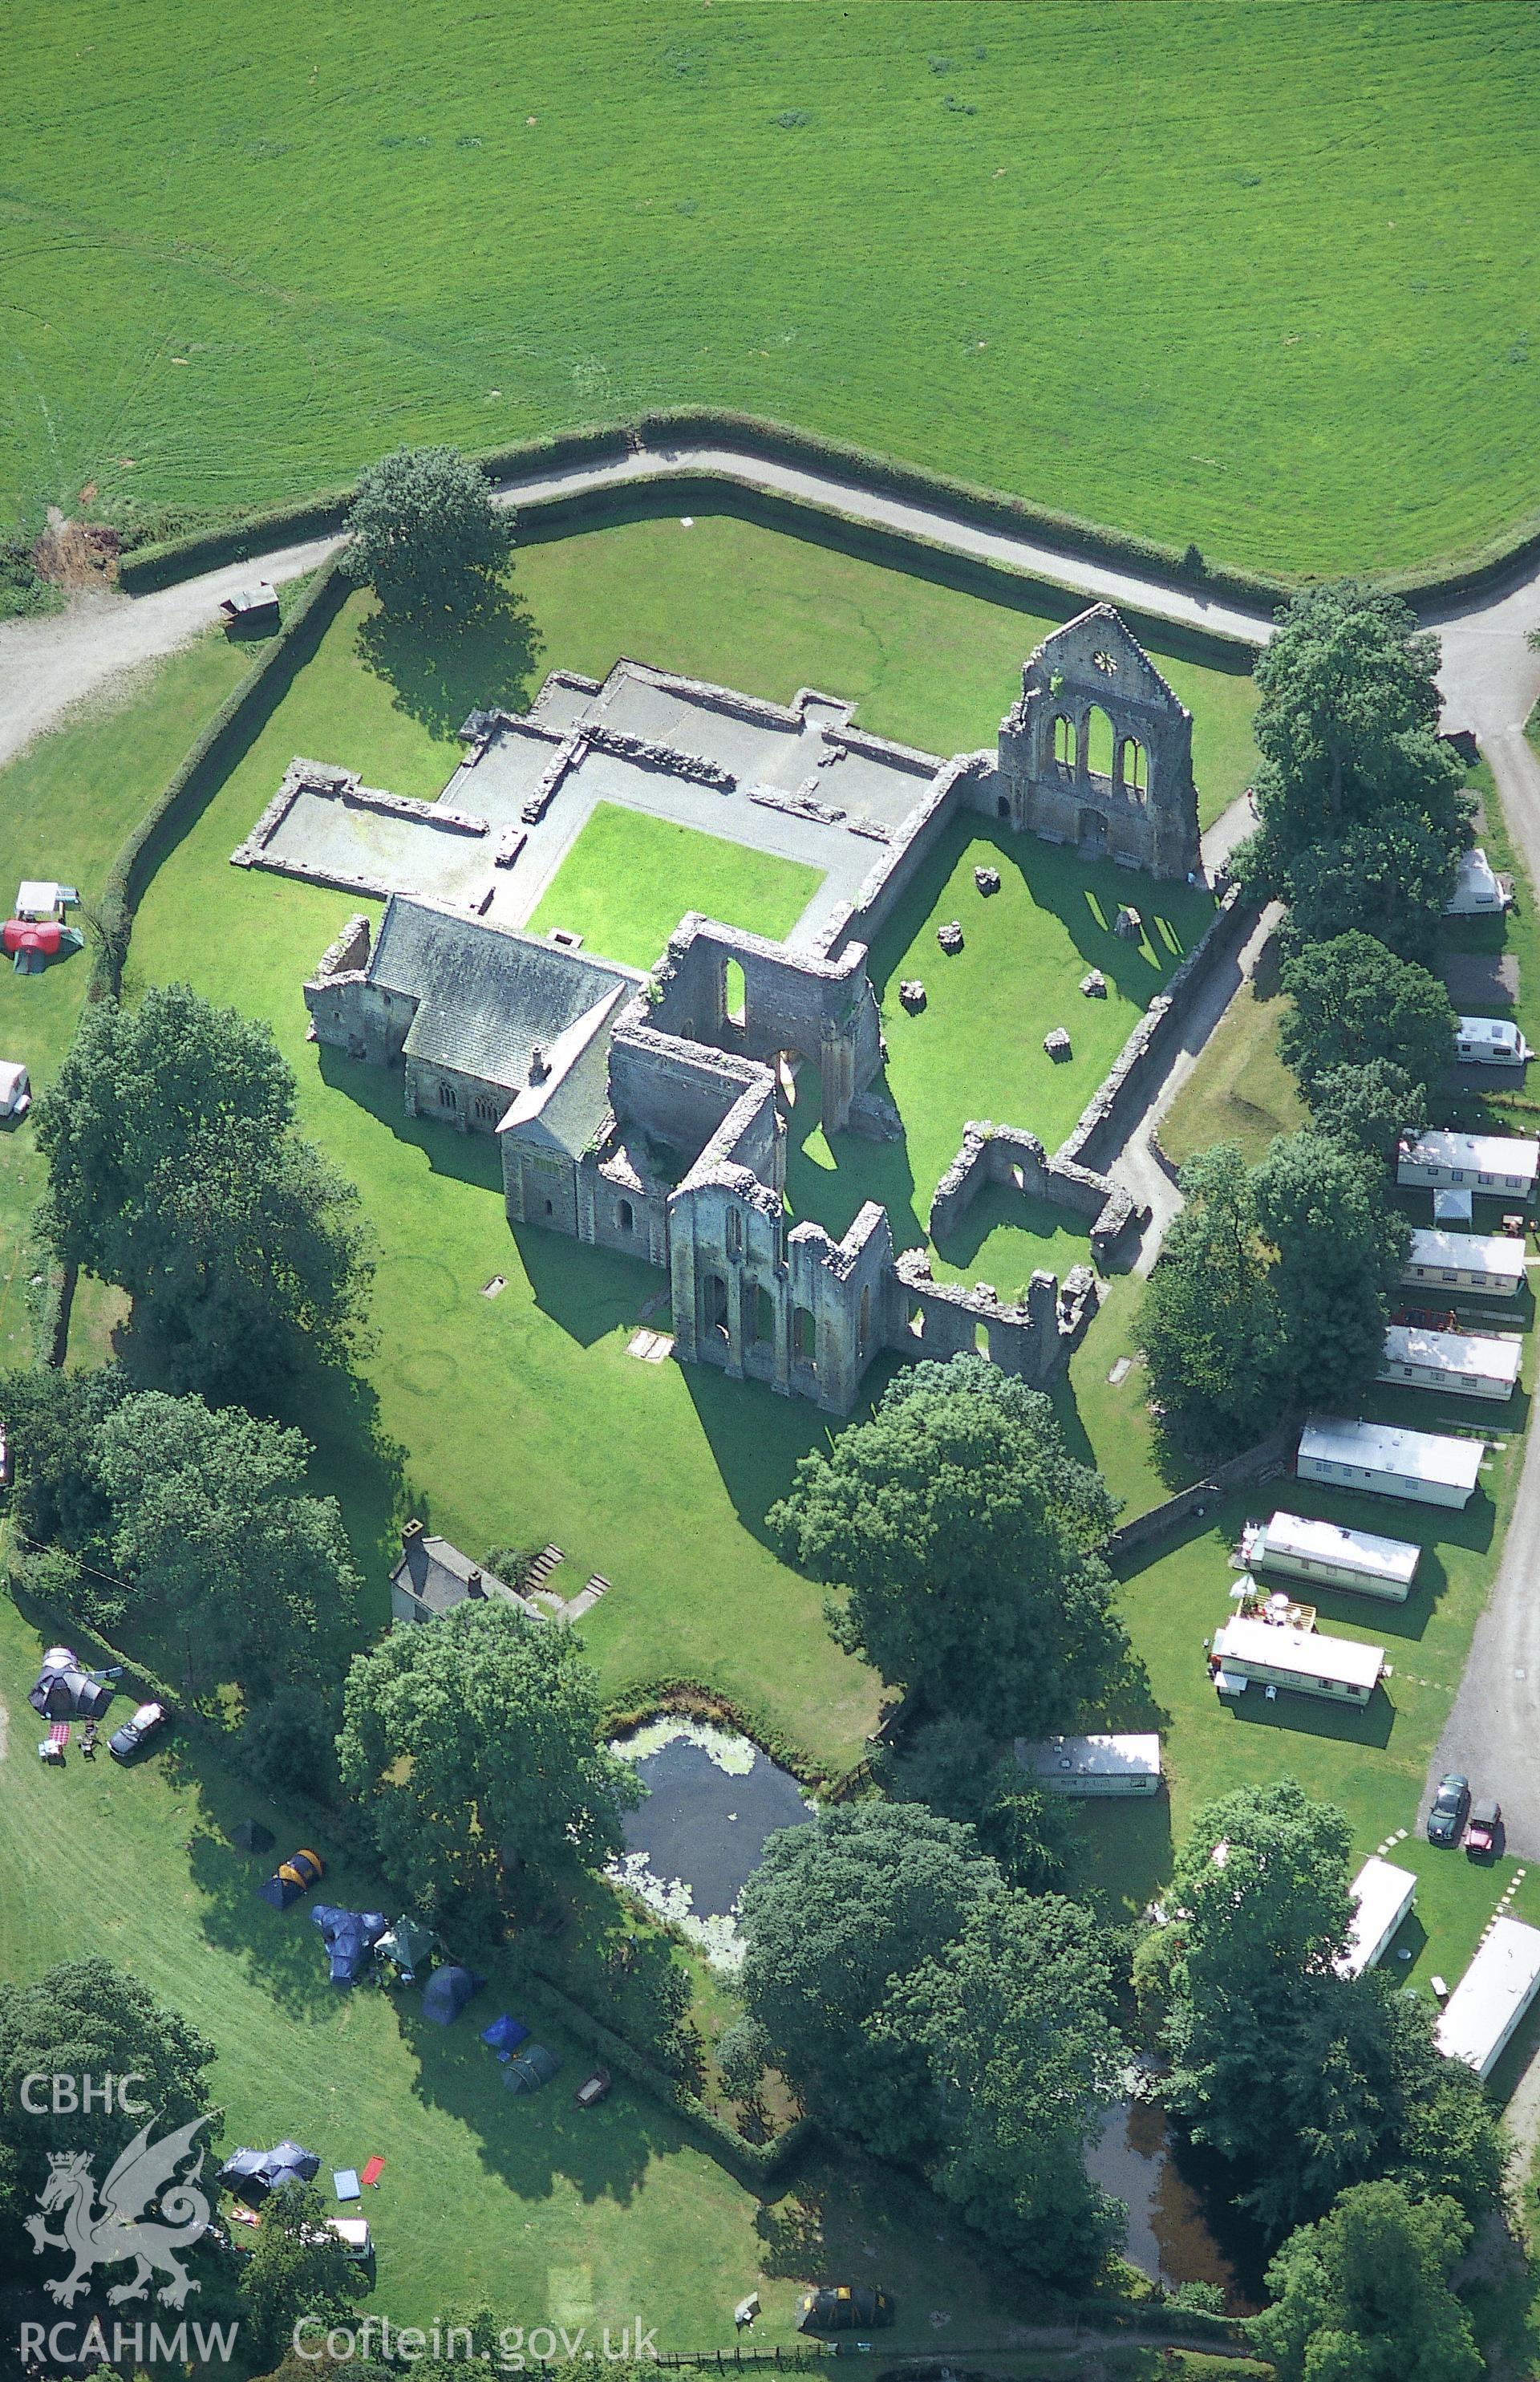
(441,666)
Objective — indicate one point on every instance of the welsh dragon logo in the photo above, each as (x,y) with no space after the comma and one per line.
(110,2231)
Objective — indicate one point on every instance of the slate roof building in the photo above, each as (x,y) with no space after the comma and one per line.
(433,1577)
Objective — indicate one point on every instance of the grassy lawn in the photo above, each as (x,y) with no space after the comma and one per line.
(1372,1764)
(546,2213)
(569,1439)
(65,805)
(1240,1090)
(1220,305)
(630,878)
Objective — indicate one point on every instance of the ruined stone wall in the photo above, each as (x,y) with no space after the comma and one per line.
(675,1092)
(823,1010)
(961,784)
(1114,1106)
(1032,1340)
(996,1153)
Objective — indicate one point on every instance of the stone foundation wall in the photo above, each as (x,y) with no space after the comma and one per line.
(994,1153)
(1119,1098)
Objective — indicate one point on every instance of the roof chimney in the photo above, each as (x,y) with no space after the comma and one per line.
(540,1066)
(473,1585)
(412,1530)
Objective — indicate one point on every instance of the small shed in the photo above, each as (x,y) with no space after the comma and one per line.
(1301,1547)
(1483,2012)
(1497,1164)
(1469,1364)
(1382,1897)
(1453,1207)
(1489,1263)
(1490,1041)
(1276,1654)
(1424,1466)
(255,607)
(1093,1765)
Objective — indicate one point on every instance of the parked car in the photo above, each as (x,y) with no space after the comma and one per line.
(1481,1837)
(844,2307)
(137,1731)
(1450,1806)
(594,2089)
(16,1088)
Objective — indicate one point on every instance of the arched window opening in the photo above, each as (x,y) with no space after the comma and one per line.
(1064,743)
(734,1233)
(447,1097)
(716,1305)
(1132,766)
(863,1330)
(1098,743)
(484,1109)
(804,1338)
(624,1216)
(735,994)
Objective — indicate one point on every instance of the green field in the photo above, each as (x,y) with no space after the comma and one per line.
(1247,275)
(548,2214)
(628,879)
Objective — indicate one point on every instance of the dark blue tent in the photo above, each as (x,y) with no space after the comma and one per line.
(66,1690)
(447,1992)
(251,2175)
(349,1936)
(505,2035)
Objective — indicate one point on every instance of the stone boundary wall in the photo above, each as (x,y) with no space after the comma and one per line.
(902,857)
(1258,1463)
(304,777)
(995,1153)
(1109,1115)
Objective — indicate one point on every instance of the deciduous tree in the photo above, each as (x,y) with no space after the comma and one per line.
(214,1527)
(1015,2017)
(471,1742)
(174,1172)
(837,1912)
(294,2268)
(1210,1326)
(1365,2295)
(423,532)
(961,1536)
(1340,1251)
(1348,721)
(1369,1106)
(1388,876)
(90,2018)
(1353,1001)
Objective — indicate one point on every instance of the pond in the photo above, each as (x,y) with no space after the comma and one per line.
(1181,2226)
(696,1838)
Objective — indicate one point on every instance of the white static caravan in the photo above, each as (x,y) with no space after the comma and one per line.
(1489,1263)
(1490,1041)
(1382,1897)
(1093,1765)
(1482,2013)
(1424,1466)
(1301,1548)
(1479,891)
(1498,1164)
(1470,1365)
(1274,1655)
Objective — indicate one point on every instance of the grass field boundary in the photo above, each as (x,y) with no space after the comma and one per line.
(247,536)
(546,519)
(207,762)
(760,2167)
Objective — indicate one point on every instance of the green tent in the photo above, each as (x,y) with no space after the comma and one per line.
(408,1945)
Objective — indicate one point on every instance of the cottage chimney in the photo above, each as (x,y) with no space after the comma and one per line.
(412,1530)
(539,1065)
(474,1586)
